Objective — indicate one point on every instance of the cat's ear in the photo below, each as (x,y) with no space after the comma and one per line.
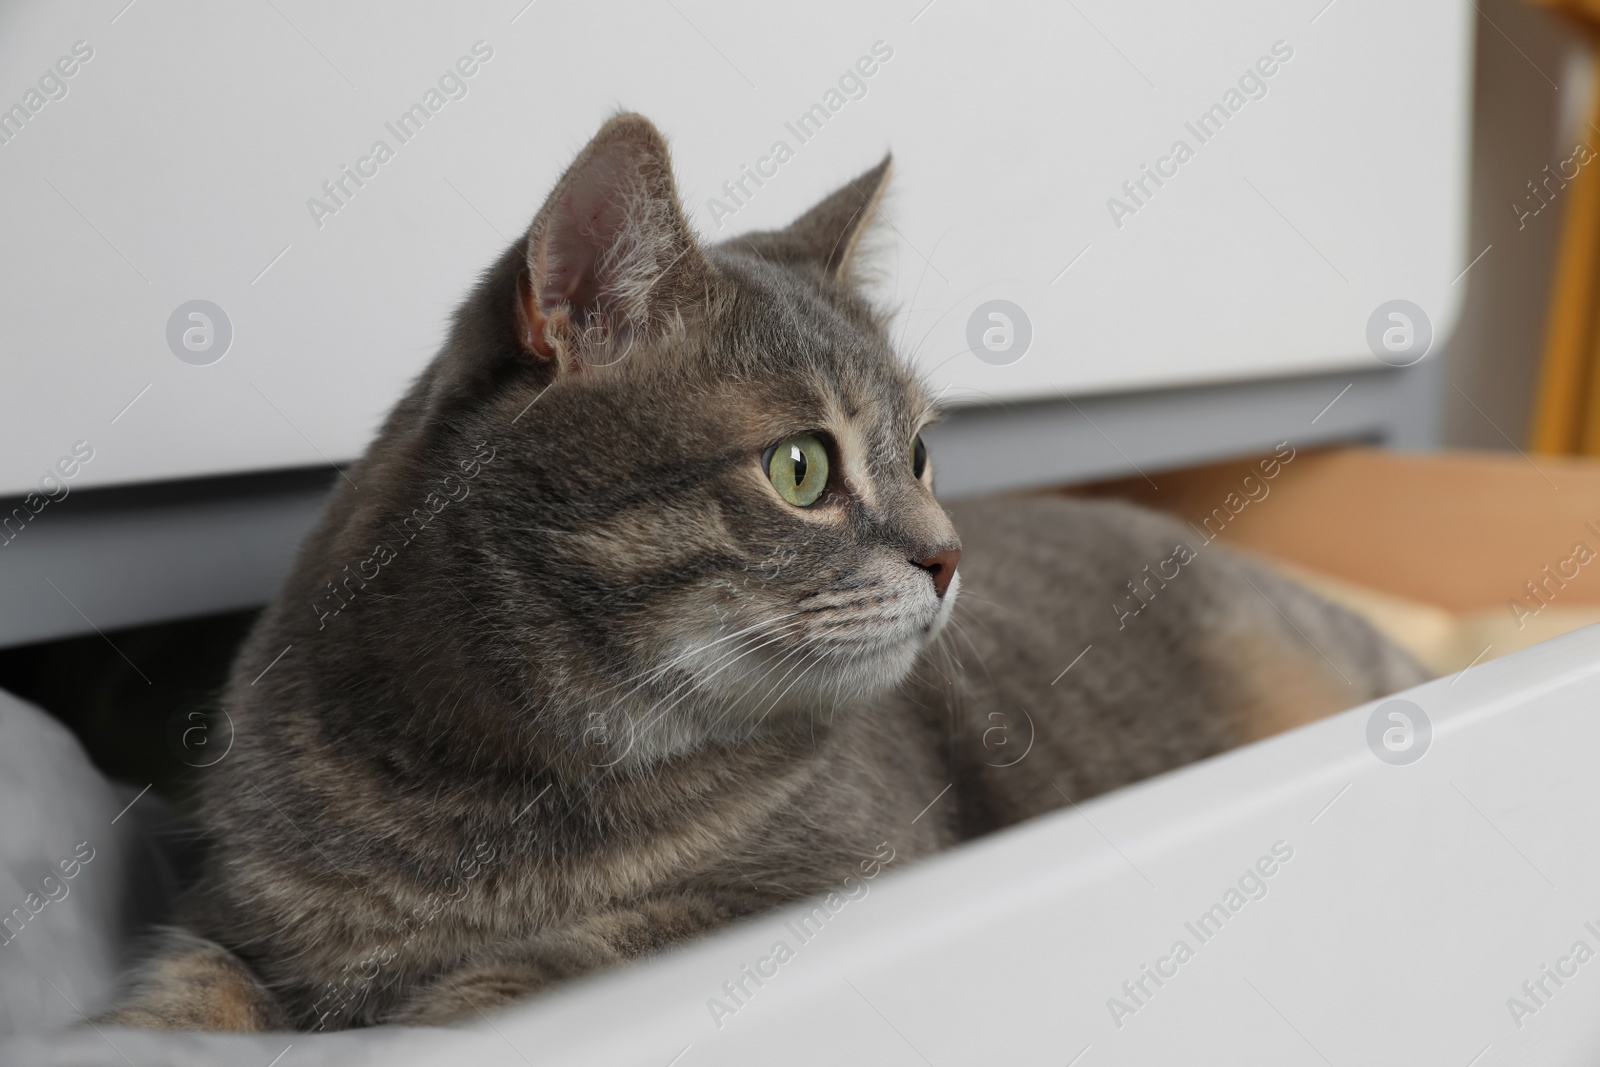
(829,235)
(610,256)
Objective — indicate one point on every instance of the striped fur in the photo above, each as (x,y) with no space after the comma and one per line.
(567,682)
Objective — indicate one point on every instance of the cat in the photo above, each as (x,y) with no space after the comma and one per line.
(639,616)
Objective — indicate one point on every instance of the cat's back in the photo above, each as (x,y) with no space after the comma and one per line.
(1112,643)
(1082,537)
(1112,566)
(1089,562)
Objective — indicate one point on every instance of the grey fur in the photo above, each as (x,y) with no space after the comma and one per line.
(601,689)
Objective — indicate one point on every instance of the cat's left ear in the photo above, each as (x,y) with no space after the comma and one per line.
(610,256)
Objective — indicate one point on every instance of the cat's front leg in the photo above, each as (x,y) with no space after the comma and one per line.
(494,977)
(190,983)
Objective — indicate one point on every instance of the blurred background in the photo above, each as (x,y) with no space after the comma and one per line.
(1149,250)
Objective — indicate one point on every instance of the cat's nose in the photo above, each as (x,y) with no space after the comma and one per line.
(941,567)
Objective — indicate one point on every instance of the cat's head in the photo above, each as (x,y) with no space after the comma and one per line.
(708,505)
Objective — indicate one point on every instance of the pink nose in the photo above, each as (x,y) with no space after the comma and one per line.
(941,567)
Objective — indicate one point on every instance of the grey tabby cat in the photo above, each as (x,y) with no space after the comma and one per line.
(640,621)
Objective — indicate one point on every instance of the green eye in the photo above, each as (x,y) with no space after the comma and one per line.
(919,457)
(798,467)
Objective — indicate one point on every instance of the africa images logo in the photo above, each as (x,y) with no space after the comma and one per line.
(999,332)
(1399,732)
(852,85)
(1252,85)
(1399,333)
(199,332)
(339,190)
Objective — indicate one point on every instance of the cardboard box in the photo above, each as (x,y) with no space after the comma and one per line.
(1459,556)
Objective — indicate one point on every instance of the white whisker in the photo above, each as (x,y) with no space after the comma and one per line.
(655,672)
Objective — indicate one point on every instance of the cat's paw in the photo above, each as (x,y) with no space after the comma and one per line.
(195,984)
(469,996)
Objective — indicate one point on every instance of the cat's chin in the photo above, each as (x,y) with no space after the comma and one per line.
(869,669)
(882,661)
(736,682)
(947,607)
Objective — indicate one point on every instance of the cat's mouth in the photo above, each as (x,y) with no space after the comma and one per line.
(829,649)
(881,615)
(947,606)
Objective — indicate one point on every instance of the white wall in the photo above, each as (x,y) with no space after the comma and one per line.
(180,161)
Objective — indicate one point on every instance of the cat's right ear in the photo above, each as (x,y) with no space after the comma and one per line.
(610,256)
(829,235)
(828,238)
